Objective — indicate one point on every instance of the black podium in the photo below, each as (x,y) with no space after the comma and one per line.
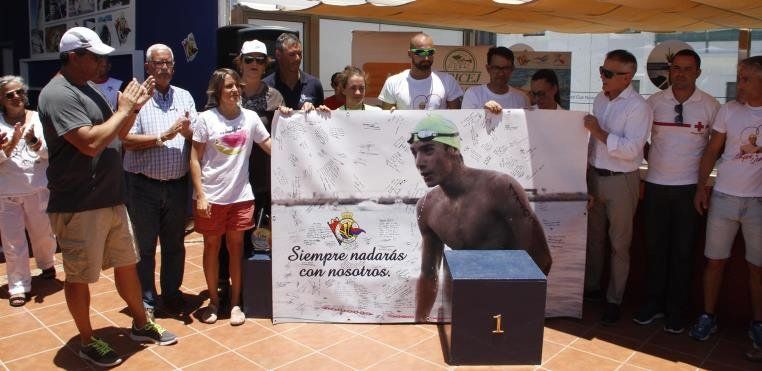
(497,303)
(257,286)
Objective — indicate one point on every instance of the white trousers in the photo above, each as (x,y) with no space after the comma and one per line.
(16,214)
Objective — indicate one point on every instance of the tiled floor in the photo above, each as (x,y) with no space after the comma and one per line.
(41,335)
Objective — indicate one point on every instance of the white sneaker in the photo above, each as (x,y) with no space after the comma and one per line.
(210,314)
(237,317)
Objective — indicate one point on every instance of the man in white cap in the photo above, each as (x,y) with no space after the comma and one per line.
(156,162)
(85,178)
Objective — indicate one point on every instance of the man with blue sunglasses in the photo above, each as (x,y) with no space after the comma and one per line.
(419,87)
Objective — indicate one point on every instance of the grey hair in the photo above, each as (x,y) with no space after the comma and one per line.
(285,40)
(7,79)
(156,47)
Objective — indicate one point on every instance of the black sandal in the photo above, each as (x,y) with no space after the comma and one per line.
(17,300)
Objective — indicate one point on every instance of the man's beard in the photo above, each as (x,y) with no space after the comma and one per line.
(423,65)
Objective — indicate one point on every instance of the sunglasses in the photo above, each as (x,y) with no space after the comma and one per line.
(158,64)
(423,52)
(537,94)
(679,116)
(609,73)
(12,93)
(427,135)
(260,59)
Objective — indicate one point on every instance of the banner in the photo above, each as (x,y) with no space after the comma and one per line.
(346,243)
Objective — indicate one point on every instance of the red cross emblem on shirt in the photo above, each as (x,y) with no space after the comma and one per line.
(699,126)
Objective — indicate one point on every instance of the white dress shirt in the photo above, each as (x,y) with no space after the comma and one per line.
(627,118)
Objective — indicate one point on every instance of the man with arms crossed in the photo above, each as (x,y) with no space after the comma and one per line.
(683,115)
(156,163)
(419,87)
(736,200)
(618,128)
(86,183)
(468,208)
(496,94)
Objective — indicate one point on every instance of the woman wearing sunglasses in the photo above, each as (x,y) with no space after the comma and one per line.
(23,194)
(544,90)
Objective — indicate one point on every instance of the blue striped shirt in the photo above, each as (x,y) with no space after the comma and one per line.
(169,161)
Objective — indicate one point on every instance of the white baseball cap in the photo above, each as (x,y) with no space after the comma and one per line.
(253,46)
(83,38)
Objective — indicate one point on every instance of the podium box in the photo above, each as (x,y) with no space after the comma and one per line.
(497,303)
(257,286)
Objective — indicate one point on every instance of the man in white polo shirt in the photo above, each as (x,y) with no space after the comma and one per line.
(618,128)
(419,87)
(496,94)
(683,116)
(736,200)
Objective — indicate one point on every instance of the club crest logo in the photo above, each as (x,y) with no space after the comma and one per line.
(345,229)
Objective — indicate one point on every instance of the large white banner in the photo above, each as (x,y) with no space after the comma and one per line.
(346,244)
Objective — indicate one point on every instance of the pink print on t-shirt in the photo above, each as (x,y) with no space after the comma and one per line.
(231,144)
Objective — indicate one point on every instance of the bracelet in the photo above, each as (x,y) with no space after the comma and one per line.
(159,142)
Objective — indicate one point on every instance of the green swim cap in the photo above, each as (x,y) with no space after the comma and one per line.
(438,128)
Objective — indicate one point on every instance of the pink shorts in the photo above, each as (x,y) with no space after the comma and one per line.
(238,216)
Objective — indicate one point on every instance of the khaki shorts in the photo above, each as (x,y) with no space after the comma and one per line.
(94,240)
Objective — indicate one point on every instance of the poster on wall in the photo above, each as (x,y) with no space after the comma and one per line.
(346,241)
(382,54)
(113,21)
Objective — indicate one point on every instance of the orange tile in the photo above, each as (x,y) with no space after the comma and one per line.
(317,335)
(194,280)
(359,351)
(53,314)
(226,361)
(314,362)
(17,323)
(274,351)
(607,345)
(656,358)
(404,361)
(494,368)
(399,336)
(573,359)
(430,350)
(358,328)
(683,343)
(107,301)
(549,350)
(62,357)
(563,331)
(189,350)
(67,331)
(143,360)
(28,343)
(6,310)
(714,366)
(732,354)
(247,333)
(280,327)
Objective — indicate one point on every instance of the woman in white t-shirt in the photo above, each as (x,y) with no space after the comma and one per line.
(23,191)
(223,139)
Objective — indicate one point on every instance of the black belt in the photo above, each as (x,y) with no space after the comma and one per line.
(606,172)
(159,180)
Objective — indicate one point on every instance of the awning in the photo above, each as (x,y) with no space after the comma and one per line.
(571,16)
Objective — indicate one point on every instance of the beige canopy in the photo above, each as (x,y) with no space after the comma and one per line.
(571,16)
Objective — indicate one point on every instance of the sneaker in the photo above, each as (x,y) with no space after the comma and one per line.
(593,296)
(755,333)
(210,314)
(154,333)
(610,315)
(704,327)
(674,327)
(150,317)
(99,353)
(48,274)
(237,317)
(647,314)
